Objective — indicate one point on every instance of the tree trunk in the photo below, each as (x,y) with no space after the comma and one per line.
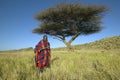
(70,48)
(68,45)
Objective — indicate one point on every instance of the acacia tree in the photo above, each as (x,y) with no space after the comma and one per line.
(70,20)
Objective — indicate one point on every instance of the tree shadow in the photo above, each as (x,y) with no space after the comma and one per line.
(54,59)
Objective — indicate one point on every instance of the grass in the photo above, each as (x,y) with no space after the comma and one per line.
(80,65)
(106,44)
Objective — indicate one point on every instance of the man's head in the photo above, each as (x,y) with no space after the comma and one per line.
(45,38)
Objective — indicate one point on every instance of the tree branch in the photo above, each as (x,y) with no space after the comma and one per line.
(73,38)
(59,38)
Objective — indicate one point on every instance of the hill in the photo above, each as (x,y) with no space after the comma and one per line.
(23,49)
(106,43)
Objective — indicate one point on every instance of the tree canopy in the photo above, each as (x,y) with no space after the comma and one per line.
(70,19)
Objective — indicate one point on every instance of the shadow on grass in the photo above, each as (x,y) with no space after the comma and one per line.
(54,59)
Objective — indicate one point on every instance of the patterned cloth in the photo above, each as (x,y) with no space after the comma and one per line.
(42,54)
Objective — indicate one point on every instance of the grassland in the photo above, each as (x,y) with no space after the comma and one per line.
(82,64)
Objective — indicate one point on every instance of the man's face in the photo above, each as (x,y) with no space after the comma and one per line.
(45,38)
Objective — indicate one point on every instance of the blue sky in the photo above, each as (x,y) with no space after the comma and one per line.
(17,22)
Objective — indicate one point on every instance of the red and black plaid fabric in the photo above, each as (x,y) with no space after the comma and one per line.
(42,54)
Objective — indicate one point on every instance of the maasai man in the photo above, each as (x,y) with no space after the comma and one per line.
(42,53)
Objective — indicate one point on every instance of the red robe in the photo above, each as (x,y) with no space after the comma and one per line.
(42,54)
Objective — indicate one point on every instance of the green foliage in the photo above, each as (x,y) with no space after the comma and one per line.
(68,19)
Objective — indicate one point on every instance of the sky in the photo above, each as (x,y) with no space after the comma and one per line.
(17,20)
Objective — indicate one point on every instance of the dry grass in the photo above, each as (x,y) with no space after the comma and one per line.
(80,65)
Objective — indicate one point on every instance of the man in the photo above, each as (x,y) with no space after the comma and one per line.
(42,54)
